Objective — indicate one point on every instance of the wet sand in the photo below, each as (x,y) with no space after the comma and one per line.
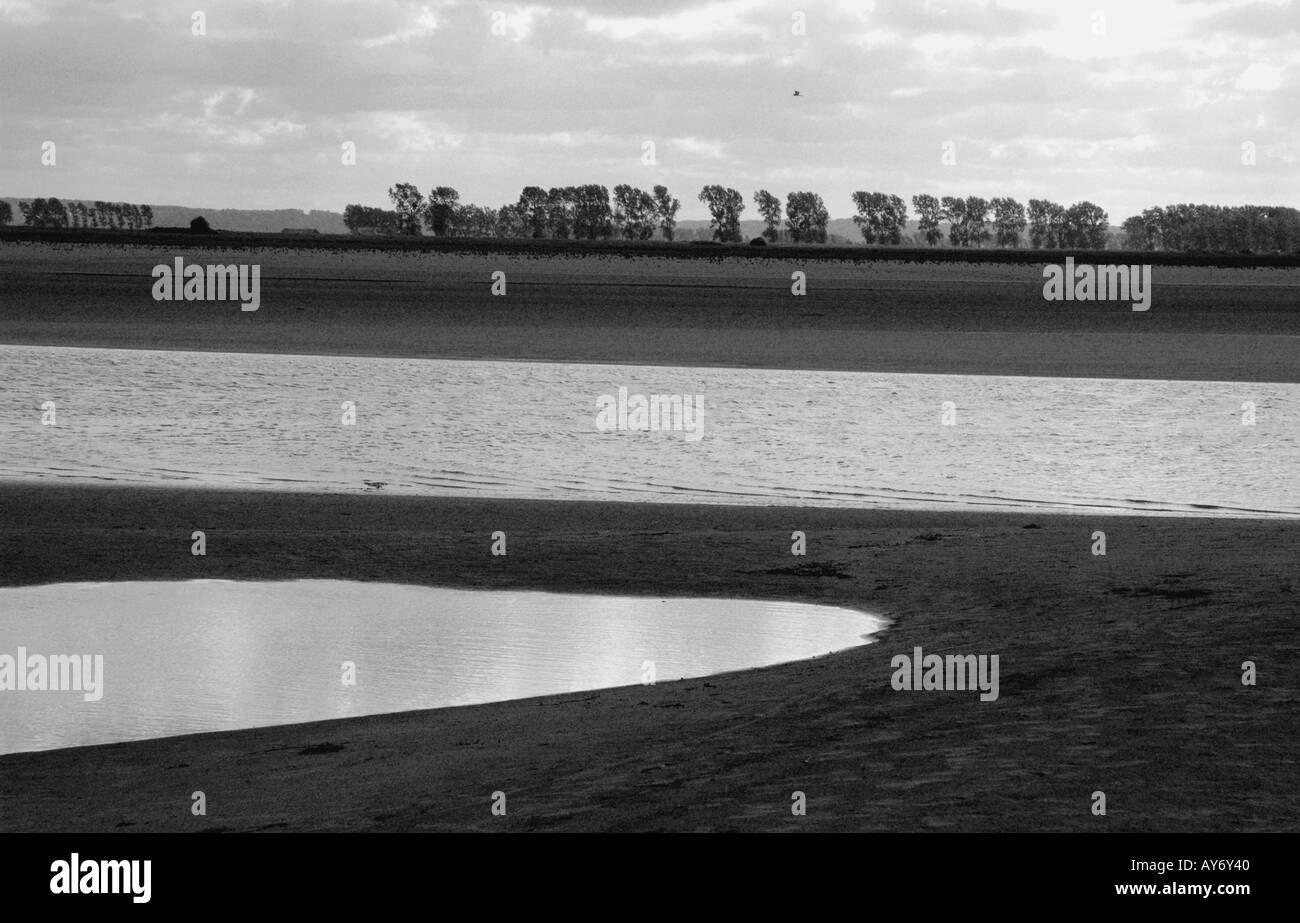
(1118,673)
(1204,323)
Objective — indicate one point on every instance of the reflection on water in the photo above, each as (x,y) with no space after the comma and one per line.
(207,655)
(511,429)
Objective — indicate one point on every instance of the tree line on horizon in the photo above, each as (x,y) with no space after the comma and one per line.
(586,213)
(562,212)
(590,213)
(53,213)
(1256,228)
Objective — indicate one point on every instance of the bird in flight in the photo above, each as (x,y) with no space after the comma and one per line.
(796,93)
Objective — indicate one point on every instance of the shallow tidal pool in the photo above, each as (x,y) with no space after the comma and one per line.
(93,663)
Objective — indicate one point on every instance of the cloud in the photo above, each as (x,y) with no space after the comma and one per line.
(1255,20)
(710,149)
(989,19)
(1151,109)
(424,23)
(728,20)
(1260,76)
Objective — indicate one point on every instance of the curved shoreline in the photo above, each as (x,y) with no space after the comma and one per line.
(687,638)
(1119,672)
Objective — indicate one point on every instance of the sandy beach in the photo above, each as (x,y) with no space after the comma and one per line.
(1119,673)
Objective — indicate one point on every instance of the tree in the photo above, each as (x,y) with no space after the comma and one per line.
(929,212)
(534,207)
(895,219)
(725,206)
(806,217)
(1046,224)
(1008,222)
(1086,226)
(665,211)
(510,222)
(769,206)
(200,225)
(146,213)
(868,218)
(634,212)
(6,213)
(881,218)
(354,218)
(1137,236)
(408,202)
(976,219)
(363,219)
(561,208)
(954,210)
(592,218)
(440,211)
(474,221)
(44,213)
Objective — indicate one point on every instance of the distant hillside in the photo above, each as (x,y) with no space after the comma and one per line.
(239,219)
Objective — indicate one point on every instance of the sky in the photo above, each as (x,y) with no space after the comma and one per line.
(1126,104)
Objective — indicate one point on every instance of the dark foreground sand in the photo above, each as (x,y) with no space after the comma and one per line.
(1118,673)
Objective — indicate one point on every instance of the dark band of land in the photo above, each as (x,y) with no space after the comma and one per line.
(648,306)
(187,238)
(1119,674)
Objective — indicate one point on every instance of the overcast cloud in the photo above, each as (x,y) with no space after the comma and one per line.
(1149,105)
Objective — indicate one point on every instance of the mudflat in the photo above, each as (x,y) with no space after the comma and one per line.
(1204,323)
(1119,673)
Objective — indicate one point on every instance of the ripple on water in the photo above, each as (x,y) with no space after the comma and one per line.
(527,430)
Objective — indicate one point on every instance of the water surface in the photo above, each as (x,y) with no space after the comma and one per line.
(212,655)
(529,430)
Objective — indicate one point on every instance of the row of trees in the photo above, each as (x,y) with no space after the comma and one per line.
(882,219)
(579,213)
(562,212)
(52,213)
(805,221)
(975,221)
(586,213)
(1214,227)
